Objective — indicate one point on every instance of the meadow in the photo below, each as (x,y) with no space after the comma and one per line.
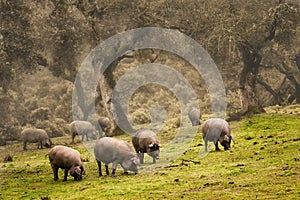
(263,163)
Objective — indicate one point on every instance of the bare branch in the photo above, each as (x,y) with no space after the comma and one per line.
(276,96)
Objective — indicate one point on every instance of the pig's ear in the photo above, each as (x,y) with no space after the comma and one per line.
(226,138)
(135,160)
(127,163)
(78,171)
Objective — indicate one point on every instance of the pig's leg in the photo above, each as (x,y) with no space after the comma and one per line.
(106,169)
(66,174)
(99,168)
(114,167)
(55,172)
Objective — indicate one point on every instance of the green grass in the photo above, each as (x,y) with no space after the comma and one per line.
(263,163)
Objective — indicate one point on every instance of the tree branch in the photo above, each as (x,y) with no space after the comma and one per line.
(276,96)
(285,71)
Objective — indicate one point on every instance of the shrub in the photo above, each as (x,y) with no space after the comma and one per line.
(141,116)
(39,114)
(52,129)
(2,142)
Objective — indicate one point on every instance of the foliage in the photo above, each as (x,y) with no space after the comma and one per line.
(55,128)
(254,43)
(17,45)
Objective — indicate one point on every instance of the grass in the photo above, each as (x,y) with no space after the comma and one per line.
(263,163)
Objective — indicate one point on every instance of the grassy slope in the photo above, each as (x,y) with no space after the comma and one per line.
(264,163)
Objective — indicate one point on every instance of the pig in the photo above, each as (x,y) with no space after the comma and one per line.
(146,141)
(35,136)
(195,116)
(83,128)
(217,130)
(116,151)
(68,159)
(104,125)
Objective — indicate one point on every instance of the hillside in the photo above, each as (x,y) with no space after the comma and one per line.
(263,163)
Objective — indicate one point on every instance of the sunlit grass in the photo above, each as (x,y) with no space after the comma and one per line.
(263,163)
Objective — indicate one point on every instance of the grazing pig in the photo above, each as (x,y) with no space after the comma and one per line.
(116,151)
(35,136)
(146,141)
(83,128)
(195,116)
(68,159)
(104,125)
(214,130)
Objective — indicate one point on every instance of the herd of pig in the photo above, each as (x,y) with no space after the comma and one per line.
(116,151)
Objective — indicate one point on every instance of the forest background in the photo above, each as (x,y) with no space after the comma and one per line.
(255,45)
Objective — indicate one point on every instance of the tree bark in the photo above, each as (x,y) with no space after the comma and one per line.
(284,70)
(114,111)
(297,93)
(106,92)
(248,79)
(277,98)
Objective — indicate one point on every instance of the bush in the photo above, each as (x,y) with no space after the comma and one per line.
(2,142)
(39,114)
(10,131)
(52,129)
(141,116)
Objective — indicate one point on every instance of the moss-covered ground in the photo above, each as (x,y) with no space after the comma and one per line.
(263,163)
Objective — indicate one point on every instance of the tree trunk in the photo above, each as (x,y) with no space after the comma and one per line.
(297,93)
(249,101)
(113,109)
(82,113)
(248,79)
(106,91)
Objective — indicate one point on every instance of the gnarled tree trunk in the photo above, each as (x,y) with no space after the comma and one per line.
(106,91)
(113,109)
(248,79)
